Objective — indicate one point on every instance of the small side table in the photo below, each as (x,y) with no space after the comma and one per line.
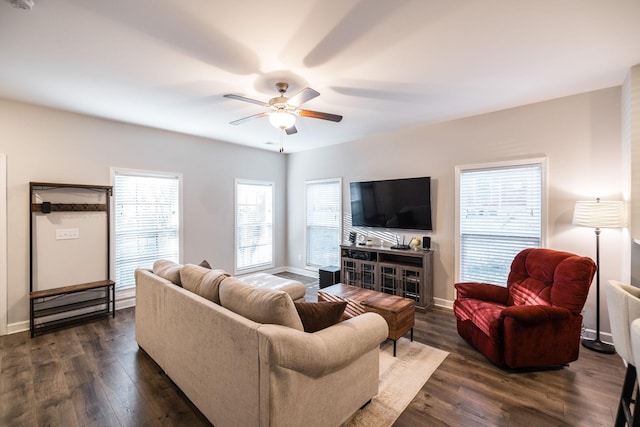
(329,275)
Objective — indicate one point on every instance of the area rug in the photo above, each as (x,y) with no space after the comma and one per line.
(401,378)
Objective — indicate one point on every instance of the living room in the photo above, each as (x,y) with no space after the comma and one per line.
(584,137)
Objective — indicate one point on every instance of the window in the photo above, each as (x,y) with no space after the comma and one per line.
(500,213)
(147,221)
(324,212)
(254,225)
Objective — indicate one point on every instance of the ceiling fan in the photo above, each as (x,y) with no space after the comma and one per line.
(283,110)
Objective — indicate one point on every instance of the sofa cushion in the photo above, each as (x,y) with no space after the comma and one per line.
(319,315)
(259,304)
(203,281)
(168,270)
(205,264)
(486,316)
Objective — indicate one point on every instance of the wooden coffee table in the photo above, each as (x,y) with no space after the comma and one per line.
(397,311)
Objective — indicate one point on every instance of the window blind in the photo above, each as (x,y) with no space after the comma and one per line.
(147,222)
(500,214)
(254,225)
(323,217)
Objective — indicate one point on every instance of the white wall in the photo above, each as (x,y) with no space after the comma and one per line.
(580,135)
(53,146)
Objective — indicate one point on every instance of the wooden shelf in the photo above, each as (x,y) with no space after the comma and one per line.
(71,289)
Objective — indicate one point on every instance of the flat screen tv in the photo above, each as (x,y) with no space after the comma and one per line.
(393,203)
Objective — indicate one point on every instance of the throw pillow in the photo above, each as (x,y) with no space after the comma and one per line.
(210,285)
(203,281)
(319,315)
(191,275)
(205,264)
(168,270)
(259,304)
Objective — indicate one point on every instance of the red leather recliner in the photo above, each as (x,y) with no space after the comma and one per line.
(535,321)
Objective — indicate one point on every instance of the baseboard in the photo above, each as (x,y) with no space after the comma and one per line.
(301,271)
(274,270)
(14,328)
(444,303)
(125,297)
(125,302)
(605,337)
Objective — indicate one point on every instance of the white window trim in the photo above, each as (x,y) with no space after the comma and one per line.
(320,181)
(542,161)
(4,289)
(126,297)
(235,226)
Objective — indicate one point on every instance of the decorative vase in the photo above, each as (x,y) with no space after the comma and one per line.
(415,244)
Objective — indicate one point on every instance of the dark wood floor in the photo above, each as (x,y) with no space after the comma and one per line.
(94,375)
(466,390)
(88,375)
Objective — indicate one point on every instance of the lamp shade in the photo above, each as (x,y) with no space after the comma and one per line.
(282,119)
(600,214)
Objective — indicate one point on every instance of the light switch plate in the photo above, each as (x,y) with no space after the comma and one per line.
(67,233)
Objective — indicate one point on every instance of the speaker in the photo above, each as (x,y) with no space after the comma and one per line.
(329,276)
(426,242)
(352,237)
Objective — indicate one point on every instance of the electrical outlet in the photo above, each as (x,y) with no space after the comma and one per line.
(67,233)
(299,257)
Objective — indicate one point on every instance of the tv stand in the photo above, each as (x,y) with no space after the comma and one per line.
(407,273)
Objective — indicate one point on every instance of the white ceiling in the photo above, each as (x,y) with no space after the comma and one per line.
(381,64)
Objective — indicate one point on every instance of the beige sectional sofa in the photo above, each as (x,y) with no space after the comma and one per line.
(240,354)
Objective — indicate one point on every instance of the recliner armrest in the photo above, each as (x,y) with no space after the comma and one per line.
(482,291)
(532,314)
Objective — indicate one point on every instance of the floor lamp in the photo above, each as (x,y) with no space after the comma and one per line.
(599,214)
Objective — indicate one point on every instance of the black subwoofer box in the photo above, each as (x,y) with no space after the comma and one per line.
(329,276)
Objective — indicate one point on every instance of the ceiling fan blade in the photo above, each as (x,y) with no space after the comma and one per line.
(245,99)
(291,130)
(303,96)
(319,115)
(246,119)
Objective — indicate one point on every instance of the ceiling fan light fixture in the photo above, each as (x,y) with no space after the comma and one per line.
(282,111)
(282,119)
